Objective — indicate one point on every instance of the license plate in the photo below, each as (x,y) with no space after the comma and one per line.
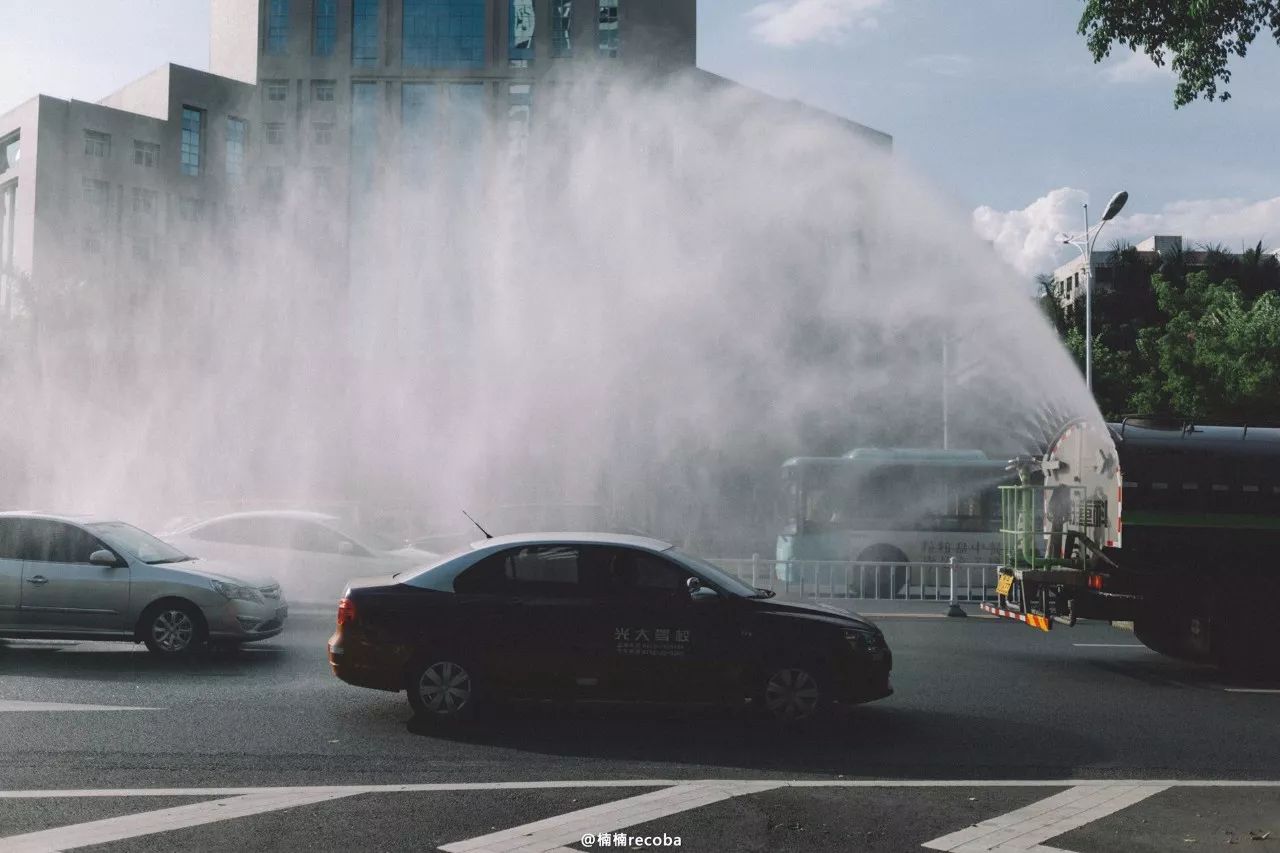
(1004,585)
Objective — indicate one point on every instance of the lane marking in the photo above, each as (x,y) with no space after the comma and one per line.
(427,787)
(13,706)
(1025,828)
(1251,690)
(1109,645)
(161,820)
(555,833)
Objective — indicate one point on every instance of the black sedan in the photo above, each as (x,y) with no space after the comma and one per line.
(599,617)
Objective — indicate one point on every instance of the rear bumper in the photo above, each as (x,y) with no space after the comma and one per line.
(363,665)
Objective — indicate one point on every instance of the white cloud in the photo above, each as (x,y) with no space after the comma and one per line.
(787,23)
(945,64)
(1136,67)
(1025,238)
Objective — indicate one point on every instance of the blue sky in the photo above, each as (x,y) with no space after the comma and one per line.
(996,102)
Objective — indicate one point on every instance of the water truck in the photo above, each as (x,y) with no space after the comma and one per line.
(1170,525)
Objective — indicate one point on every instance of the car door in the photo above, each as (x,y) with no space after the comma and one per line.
(61,590)
(655,640)
(10,573)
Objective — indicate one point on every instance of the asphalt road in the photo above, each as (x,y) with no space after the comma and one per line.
(989,717)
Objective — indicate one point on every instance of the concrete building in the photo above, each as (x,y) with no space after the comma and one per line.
(134,185)
(1069,279)
(310,96)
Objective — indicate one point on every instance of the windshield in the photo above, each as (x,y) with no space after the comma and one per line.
(718,576)
(139,543)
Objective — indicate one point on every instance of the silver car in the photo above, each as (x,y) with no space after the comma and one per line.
(95,579)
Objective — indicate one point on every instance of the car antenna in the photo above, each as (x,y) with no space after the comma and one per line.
(487,534)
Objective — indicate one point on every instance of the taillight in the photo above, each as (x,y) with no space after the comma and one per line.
(1095,582)
(346,612)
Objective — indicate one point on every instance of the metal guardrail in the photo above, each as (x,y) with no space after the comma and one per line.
(974,582)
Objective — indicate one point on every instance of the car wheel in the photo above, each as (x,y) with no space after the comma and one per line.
(443,689)
(793,693)
(173,629)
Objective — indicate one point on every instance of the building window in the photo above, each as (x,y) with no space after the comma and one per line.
(323,90)
(521,22)
(97,144)
(607,27)
(192,130)
(146,154)
(322,132)
(561,28)
(91,243)
(8,212)
(237,139)
(141,248)
(144,202)
(96,194)
(364,33)
(10,152)
(324,30)
(444,33)
(277,90)
(275,132)
(277,26)
(191,209)
(272,183)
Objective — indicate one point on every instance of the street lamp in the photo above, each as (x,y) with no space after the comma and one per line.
(1085,243)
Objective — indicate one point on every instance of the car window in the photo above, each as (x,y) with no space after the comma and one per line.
(490,576)
(9,539)
(307,536)
(639,573)
(48,541)
(545,564)
(233,531)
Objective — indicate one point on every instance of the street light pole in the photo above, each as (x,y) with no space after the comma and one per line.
(1088,303)
(1085,244)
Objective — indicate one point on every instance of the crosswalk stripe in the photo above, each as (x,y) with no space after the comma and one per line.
(160,820)
(1025,828)
(14,706)
(555,833)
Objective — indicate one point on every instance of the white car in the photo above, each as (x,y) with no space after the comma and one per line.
(313,554)
(64,577)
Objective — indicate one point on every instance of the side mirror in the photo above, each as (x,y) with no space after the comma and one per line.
(103,557)
(346,549)
(693,585)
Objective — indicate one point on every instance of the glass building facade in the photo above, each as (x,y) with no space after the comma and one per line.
(277,26)
(364,33)
(324,27)
(520,26)
(561,28)
(237,139)
(444,33)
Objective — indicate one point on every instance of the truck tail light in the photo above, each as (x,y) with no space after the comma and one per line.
(1095,582)
(346,612)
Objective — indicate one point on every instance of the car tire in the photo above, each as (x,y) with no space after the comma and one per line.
(172,628)
(794,692)
(443,689)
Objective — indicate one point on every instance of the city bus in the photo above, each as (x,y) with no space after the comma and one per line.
(891,505)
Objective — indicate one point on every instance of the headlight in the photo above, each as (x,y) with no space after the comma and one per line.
(236,591)
(865,640)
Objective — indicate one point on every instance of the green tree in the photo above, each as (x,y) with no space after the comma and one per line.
(1216,358)
(1197,37)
